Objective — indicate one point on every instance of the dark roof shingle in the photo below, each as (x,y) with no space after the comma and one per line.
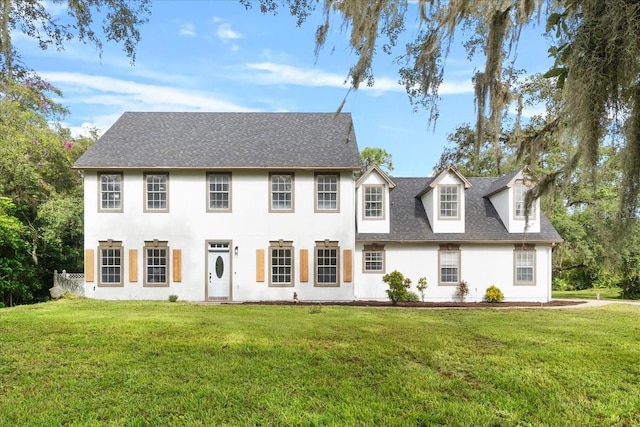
(409,220)
(226,140)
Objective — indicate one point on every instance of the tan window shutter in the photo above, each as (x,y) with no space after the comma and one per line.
(347,265)
(177,265)
(304,265)
(89,265)
(133,265)
(259,265)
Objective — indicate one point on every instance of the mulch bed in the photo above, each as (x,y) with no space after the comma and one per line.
(553,303)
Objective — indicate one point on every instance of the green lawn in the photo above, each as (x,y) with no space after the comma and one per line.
(605,293)
(84,362)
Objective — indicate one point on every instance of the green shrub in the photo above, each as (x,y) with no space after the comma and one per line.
(422,286)
(411,297)
(398,286)
(173,298)
(1,304)
(630,286)
(493,294)
(462,290)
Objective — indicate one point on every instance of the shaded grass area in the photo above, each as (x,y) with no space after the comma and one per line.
(84,362)
(605,293)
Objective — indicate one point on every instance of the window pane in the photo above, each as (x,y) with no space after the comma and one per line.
(524,266)
(449,201)
(281,265)
(373,261)
(281,192)
(327,192)
(157,191)
(157,265)
(219,191)
(449,267)
(327,266)
(519,196)
(373,202)
(110,265)
(110,191)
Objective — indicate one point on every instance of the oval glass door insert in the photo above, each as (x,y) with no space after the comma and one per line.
(219,266)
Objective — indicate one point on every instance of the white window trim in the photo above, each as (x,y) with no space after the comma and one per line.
(520,249)
(455,249)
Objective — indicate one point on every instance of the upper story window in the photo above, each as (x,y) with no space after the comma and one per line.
(519,202)
(156,263)
(110,192)
(281,263)
(373,259)
(157,192)
(373,201)
(327,263)
(281,193)
(525,265)
(449,207)
(449,265)
(110,259)
(219,194)
(327,190)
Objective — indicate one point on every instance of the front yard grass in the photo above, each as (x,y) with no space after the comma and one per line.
(605,293)
(97,363)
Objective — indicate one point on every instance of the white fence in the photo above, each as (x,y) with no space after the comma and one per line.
(72,282)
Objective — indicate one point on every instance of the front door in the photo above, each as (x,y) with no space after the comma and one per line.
(218,271)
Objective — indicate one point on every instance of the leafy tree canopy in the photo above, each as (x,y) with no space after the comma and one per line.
(595,44)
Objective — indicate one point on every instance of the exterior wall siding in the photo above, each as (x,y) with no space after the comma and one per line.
(482,265)
(250,226)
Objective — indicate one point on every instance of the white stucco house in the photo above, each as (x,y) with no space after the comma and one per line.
(257,206)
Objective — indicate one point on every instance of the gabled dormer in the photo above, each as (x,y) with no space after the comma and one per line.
(372,201)
(444,201)
(508,197)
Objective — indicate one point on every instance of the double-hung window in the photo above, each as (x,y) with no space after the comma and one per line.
(519,202)
(373,201)
(281,263)
(156,263)
(525,265)
(219,194)
(156,192)
(110,192)
(327,186)
(449,201)
(281,192)
(327,263)
(110,259)
(449,265)
(373,259)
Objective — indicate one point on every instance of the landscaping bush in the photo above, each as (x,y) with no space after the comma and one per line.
(493,294)
(173,298)
(411,297)
(462,290)
(398,286)
(422,286)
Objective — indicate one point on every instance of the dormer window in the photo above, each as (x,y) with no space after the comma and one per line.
(449,201)
(373,202)
(519,205)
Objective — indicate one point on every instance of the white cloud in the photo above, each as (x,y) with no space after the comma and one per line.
(187,30)
(216,19)
(281,74)
(226,33)
(114,96)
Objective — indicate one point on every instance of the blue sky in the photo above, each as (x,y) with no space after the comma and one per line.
(217,56)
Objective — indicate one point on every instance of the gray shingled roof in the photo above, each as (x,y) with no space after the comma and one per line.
(225,140)
(482,223)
